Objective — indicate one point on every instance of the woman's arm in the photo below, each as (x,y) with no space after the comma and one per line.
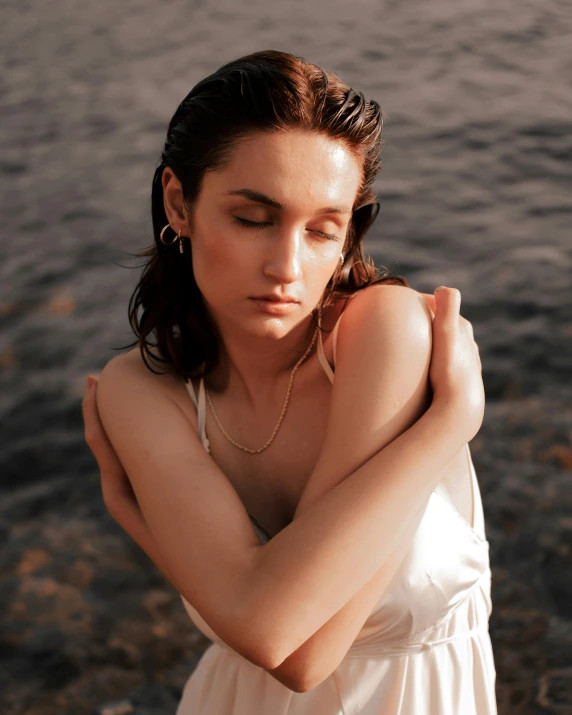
(410,389)
(203,532)
(391,487)
(315,565)
(317,657)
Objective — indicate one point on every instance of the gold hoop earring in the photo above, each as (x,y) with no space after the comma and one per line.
(178,238)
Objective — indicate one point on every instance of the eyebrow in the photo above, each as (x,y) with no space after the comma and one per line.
(260,198)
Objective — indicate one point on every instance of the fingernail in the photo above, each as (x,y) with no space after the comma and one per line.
(90,382)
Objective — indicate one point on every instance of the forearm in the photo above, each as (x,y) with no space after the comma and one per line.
(321,654)
(342,540)
(130,519)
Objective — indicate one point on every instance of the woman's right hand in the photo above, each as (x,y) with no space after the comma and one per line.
(456,370)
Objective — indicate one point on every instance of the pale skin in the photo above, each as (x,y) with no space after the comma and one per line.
(359,458)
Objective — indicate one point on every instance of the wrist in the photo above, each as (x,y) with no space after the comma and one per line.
(449,418)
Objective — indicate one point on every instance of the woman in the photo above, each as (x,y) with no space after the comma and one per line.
(328,536)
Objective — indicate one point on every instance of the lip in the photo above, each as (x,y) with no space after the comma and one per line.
(275,298)
(274,307)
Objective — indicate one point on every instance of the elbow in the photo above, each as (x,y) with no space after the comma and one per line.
(262,654)
(295,674)
(273,652)
(245,637)
(312,674)
(254,641)
(269,633)
(297,671)
(302,685)
(259,632)
(289,679)
(302,680)
(292,668)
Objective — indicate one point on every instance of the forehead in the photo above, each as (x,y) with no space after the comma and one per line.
(295,167)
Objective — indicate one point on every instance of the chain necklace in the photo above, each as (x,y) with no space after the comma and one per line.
(271,438)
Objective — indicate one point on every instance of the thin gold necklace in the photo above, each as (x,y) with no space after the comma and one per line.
(271,438)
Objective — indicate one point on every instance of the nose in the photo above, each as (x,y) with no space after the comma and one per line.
(284,262)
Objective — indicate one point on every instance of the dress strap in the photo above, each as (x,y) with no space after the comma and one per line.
(335,336)
(191,391)
(321,355)
(200,405)
(322,358)
(202,415)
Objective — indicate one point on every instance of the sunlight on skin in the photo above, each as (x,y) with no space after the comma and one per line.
(294,252)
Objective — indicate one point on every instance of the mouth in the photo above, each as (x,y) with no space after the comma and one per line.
(272,305)
(275,299)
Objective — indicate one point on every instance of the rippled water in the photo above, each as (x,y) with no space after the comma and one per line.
(475,193)
(475,187)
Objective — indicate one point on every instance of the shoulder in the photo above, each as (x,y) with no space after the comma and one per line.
(133,361)
(381,384)
(132,364)
(380,296)
(383,354)
(386,314)
(126,375)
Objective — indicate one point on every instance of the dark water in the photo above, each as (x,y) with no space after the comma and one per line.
(475,193)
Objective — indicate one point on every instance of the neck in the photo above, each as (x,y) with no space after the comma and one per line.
(258,369)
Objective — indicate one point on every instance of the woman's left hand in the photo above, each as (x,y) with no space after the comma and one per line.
(116,489)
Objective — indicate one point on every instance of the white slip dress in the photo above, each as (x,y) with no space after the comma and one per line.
(425,648)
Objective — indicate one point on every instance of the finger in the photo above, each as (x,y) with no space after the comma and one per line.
(104,452)
(448,306)
(95,435)
(89,392)
(87,412)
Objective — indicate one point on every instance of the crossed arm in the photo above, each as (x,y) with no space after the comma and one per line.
(394,326)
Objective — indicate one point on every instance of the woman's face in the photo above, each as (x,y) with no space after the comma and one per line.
(272,221)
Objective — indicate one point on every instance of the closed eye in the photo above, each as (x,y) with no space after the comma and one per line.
(265,224)
(252,224)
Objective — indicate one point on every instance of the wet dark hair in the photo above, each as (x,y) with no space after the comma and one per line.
(264,91)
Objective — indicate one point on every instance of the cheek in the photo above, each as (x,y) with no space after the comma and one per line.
(323,264)
(319,270)
(219,260)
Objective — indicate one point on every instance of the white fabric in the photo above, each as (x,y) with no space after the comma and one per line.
(424,650)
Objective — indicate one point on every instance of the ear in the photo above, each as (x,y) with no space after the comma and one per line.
(174,203)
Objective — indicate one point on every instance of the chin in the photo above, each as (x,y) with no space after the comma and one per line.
(270,327)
